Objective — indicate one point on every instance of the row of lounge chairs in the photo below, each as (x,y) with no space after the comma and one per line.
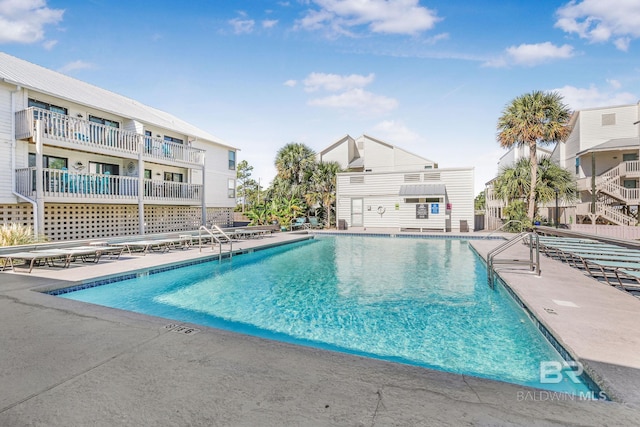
(63,257)
(615,264)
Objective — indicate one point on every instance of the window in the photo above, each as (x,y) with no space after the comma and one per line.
(172,139)
(231,188)
(629,157)
(232,160)
(105,122)
(47,106)
(147,174)
(49,162)
(173,176)
(630,183)
(577,165)
(104,168)
(424,200)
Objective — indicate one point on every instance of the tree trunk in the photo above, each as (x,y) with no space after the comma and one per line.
(533,158)
(328,207)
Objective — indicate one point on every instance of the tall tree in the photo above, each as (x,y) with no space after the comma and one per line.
(531,119)
(323,187)
(243,176)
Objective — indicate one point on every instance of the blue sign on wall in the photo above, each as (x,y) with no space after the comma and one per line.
(435,208)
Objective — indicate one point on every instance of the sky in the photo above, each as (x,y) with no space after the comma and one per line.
(429,76)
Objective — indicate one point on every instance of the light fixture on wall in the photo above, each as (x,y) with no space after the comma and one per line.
(80,115)
(78,165)
(158,174)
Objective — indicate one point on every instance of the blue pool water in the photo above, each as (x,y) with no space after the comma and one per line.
(423,302)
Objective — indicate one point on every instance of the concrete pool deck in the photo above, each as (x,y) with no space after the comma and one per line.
(68,363)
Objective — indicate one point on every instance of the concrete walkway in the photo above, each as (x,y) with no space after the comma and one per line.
(67,363)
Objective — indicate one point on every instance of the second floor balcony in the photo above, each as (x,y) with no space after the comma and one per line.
(70,132)
(62,186)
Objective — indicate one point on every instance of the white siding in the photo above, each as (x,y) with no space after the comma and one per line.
(338,154)
(382,190)
(5,144)
(378,158)
(407,161)
(217,174)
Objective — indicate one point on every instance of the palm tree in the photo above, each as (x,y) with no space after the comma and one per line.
(323,186)
(531,119)
(294,163)
(513,184)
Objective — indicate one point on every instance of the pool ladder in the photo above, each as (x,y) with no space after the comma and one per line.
(216,238)
(530,239)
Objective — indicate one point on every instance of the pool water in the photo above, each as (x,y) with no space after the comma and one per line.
(423,302)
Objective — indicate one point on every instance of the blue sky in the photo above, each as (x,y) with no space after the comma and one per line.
(429,76)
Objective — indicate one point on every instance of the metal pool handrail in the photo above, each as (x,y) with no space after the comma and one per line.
(533,265)
(215,239)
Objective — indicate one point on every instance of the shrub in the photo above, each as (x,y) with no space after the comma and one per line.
(16,234)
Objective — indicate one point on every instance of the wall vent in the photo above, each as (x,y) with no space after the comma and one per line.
(356,180)
(412,177)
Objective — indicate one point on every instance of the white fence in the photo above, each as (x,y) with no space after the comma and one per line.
(616,231)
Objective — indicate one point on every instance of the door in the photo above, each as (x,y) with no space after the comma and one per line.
(356,212)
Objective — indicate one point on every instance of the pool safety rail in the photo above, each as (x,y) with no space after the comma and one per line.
(219,237)
(530,239)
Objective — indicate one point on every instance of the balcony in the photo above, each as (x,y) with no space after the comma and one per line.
(69,132)
(62,186)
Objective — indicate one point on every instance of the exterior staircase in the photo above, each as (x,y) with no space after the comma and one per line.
(612,197)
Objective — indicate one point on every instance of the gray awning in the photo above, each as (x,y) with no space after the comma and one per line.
(413,190)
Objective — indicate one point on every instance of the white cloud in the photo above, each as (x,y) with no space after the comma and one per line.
(534,54)
(396,132)
(269,23)
(242,26)
(335,82)
(379,16)
(291,83)
(600,21)
(529,55)
(592,97)
(359,100)
(23,21)
(49,44)
(74,66)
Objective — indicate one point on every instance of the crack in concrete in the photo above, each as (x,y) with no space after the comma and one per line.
(378,404)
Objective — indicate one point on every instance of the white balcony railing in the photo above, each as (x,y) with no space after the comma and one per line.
(62,184)
(88,136)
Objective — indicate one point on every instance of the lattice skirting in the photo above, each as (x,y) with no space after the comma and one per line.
(74,221)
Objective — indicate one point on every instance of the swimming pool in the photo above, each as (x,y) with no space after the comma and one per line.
(423,302)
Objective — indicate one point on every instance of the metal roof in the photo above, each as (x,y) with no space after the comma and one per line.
(615,144)
(423,190)
(357,163)
(23,73)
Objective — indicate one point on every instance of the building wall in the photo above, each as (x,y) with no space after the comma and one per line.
(384,207)
(340,154)
(6,141)
(91,221)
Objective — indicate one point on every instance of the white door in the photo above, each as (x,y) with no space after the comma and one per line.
(356,212)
